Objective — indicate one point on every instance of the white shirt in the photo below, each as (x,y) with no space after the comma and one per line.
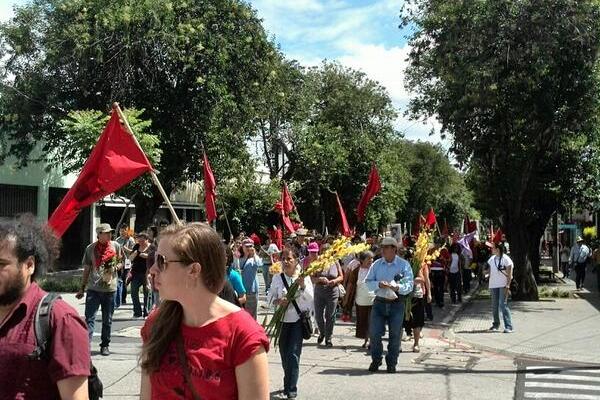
(304,299)
(364,297)
(579,253)
(454,263)
(497,277)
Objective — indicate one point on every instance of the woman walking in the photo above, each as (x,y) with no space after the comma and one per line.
(326,299)
(501,272)
(290,340)
(454,277)
(358,293)
(196,345)
(139,275)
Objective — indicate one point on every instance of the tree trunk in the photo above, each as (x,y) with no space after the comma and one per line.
(145,209)
(520,239)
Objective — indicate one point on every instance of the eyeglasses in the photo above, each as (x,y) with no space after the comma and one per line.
(161,262)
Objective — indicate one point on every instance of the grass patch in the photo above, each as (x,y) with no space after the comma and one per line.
(67,285)
(547,292)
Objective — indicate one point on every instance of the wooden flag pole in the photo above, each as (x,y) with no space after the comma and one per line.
(117,108)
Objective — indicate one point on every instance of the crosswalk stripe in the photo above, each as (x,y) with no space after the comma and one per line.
(558,369)
(552,385)
(558,377)
(560,396)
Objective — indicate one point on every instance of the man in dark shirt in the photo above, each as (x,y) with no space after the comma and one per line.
(26,250)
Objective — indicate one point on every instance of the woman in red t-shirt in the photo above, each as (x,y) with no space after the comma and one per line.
(196,345)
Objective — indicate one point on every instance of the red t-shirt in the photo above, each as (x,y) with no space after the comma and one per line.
(21,378)
(213,352)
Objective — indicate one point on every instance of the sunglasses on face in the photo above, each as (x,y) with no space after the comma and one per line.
(162,262)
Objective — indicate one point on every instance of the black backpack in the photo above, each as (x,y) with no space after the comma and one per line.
(43,337)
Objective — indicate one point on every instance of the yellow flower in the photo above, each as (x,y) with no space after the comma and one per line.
(275,268)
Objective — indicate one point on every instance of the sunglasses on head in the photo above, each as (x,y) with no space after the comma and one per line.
(162,262)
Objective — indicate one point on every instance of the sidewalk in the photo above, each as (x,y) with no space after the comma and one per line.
(553,329)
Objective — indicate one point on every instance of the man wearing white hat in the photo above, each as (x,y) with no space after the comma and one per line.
(391,278)
(578,258)
(102,260)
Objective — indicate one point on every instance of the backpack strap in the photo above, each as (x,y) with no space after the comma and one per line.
(41,326)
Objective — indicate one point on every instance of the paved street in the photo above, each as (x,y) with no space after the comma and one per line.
(457,360)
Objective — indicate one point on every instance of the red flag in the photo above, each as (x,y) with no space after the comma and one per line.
(497,236)
(115,161)
(373,187)
(431,219)
(210,191)
(286,206)
(345,227)
(286,200)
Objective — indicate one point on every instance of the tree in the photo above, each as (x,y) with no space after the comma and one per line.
(340,124)
(434,182)
(515,86)
(195,68)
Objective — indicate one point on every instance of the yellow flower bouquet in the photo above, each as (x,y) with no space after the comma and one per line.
(338,250)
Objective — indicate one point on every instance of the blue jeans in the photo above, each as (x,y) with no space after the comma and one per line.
(266,276)
(138,280)
(290,348)
(93,301)
(499,302)
(118,294)
(393,315)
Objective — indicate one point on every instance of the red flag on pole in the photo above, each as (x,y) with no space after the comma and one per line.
(286,200)
(115,161)
(373,187)
(287,206)
(430,219)
(210,192)
(345,227)
(497,236)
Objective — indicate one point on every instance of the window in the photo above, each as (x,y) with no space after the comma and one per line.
(17,199)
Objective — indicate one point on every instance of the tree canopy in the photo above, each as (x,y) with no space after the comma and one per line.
(515,87)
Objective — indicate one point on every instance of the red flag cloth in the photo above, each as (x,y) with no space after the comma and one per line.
(472,226)
(287,223)
(256,239)
(276,236)
(498,236)
(430,219)
(373,187)
(345,227)
(286,200)
(210,191)
(115,161)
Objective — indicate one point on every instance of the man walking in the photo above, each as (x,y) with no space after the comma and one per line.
(127,243)
(391,278)
(102,262)
(30,371)
(578,258)
(249,265)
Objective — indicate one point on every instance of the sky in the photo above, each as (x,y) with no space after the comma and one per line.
(361,34)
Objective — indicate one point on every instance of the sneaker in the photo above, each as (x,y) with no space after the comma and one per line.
(292,395)
(374,367)
(508,330)
(320,339)
(328,343)
(104,351)
(391,369)
(493,329)
(416,349)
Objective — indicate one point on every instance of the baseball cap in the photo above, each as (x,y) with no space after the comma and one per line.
(313,247)
(248,243)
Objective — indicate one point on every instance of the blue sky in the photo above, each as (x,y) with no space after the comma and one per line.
(359,34)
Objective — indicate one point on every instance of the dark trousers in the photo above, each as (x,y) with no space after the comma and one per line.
(290,349)
(467,275)
(124,292)
(93,301)
(118,293)
(579,275)
(428,311)
(455,286)
(136,281)
(437,280)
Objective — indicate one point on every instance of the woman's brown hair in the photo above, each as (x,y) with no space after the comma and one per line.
(192,243)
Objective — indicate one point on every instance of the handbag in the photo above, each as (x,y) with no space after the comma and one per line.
(342,290)
(307,328)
